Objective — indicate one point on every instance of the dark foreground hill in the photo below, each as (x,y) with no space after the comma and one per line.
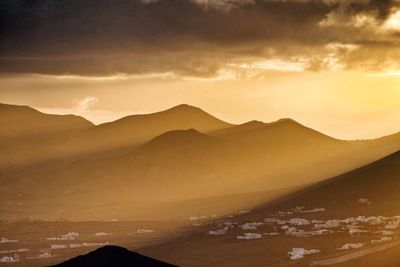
(113,256)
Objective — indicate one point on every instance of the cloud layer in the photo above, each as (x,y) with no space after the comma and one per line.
(197,38)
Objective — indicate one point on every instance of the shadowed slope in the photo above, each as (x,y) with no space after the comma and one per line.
(113,256)
(351,198)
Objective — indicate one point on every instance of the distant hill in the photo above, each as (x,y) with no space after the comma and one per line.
(244,161)
(27,134)
(136,129)
(26,122)
(113,256)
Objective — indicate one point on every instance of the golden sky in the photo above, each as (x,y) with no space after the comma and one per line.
(333,65)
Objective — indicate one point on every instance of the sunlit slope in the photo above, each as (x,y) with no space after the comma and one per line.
(378,182)
(363,203)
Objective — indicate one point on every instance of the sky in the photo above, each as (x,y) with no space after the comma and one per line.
(333,65)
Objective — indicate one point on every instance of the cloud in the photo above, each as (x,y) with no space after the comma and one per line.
(194,38)
(223,5)
(87,103)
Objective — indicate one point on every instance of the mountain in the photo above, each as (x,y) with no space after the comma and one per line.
(26,133)
(349,220)
(26,122)
(194,162)
(137,129)
(187,165)
(112,256)
(29,136)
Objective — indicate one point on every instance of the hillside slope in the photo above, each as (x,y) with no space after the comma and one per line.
(359,208)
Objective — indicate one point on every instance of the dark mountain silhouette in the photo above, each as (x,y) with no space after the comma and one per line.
(113,256)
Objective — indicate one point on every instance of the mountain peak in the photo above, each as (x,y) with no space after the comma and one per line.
(185,108)
(253,123)
(286,120)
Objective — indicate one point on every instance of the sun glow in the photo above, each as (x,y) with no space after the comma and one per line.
(393,23)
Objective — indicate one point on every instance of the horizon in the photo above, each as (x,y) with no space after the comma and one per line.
(353,106)
(48,111)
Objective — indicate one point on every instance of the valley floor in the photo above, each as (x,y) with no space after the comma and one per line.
(43,243)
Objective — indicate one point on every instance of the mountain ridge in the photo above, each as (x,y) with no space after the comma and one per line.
(182,164)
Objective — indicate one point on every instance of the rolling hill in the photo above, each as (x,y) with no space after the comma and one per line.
(256,160)
(135,130)
(29,136)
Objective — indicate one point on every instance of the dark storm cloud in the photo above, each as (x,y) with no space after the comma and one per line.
(188,38)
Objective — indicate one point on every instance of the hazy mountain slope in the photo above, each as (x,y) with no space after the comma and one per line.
(110,256)
(68,136)
(378,182)
(26,122)
(136,129)
(369,192)
(178,165)
(186,164)
(278,155)
(26,134)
